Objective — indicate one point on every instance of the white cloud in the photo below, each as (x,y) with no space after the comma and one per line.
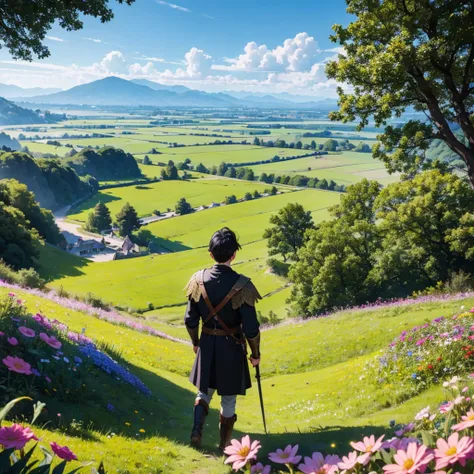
(174,6)
(147,70)
(151,58)
(296,54)
(55,38)
(198,63)
(95,40)
(114,63)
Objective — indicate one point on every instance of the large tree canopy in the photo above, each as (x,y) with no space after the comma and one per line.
(409,53)
(24,24)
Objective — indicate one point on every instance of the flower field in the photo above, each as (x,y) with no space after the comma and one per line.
(322,385)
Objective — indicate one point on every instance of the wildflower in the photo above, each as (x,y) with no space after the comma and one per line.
(317,464)
(241,452)
(127,423)
(27,332)
(422,414)
(368,446)
(141,430)
(65,359)
(259,468)
(15,364)
(110,407)
(405,429)
(451,383)
(63,452)
(12,341)
(15,436)
(11,295)
(2,333)
(348,462)
(35,372)
(47,379)
(51,341)
(467,421)
(285,456)
(452,451)
(414,459)
(446,407)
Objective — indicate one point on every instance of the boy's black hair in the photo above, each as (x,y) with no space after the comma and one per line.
(223,244)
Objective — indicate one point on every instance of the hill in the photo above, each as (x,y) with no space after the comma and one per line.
(53,183)
(9,142)
(108,163)
(325,368)
(160,87)
(116,91)
(11,114)
(10,91)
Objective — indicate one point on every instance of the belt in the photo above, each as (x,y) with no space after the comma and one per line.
(221,332)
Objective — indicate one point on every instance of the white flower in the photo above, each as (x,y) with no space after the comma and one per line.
(425,413)
(452,383)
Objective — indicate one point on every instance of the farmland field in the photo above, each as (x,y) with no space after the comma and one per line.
(165,194)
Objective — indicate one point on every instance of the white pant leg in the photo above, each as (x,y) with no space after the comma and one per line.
(207,397)
(228,405)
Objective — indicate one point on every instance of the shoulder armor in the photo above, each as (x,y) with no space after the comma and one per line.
(192,289)
(248,294)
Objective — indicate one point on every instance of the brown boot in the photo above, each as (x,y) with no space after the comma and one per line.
(225,429)
(201,409)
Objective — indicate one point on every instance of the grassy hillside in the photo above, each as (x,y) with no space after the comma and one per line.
(164,195)
(330,395)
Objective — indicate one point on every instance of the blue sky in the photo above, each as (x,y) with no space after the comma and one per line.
(213,45)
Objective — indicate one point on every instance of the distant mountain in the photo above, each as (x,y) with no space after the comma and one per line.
(9,91)
(160,87)
(116,91)
(11,114)
(9,142)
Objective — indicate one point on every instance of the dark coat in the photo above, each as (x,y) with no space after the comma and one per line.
(220,362)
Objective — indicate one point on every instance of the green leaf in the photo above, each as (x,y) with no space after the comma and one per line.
(48,457)
(5,460)
(19,466)
(40,470)
(59,469)
(428,438)
(38,409)
(6,409)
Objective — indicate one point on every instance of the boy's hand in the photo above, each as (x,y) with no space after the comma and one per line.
(254,362)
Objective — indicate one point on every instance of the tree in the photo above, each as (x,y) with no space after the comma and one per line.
(263,178)
(406,53)
(334,265)
(288,231)
(146,160)
(256,194)
(231,173)
(200,168)
(222,169)
(362,148)
(24,25)
(313,145)
(280,143)
(298,145)
(331,145)
(231,199)
(256,141)
(249,174)
(127,220)
(183,207)
(99,219)
(248,196)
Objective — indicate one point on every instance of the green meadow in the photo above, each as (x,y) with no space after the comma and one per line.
(322,366)
(165,194)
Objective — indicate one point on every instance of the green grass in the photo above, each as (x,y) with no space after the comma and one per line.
(345,168)
(317,386)
(165,194)
(36,147)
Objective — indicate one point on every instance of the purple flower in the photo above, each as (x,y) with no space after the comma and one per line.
(35,372)
(110,407)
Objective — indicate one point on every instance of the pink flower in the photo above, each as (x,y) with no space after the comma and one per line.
(368,446)
(15,436)
(241,452)
(63,452)
(51,341)
(259,468)
(27,332)
(319,465)
(13,341)
(48,379)
(348,462)
(286,456)
(2,333)
(453,451)
(414,459)
(11,295)
(15,364)
(467,421)
(446,407)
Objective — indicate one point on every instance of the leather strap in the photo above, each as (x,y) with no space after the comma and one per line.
(213,311)
(220,332)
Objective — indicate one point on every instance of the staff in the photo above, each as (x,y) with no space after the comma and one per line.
(260,394)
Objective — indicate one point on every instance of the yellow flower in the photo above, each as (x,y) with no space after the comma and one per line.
(136,412)
(333,445)
(127,423)
(142,430)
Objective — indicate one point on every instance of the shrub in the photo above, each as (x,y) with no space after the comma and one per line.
(278,268)
(30,278)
